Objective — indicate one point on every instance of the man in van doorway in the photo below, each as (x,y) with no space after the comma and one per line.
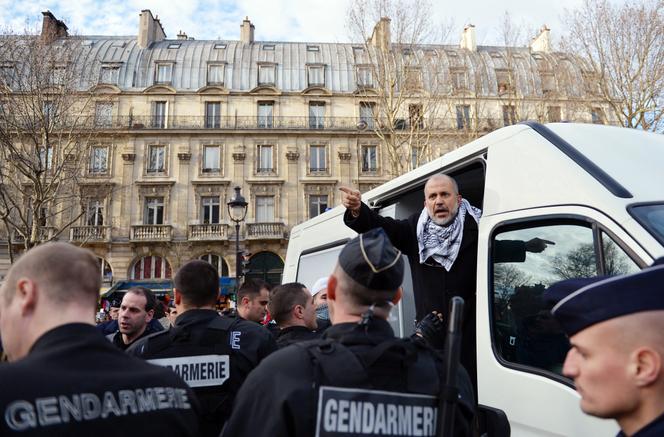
(441,245)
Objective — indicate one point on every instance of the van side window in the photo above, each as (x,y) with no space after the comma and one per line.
(524,332)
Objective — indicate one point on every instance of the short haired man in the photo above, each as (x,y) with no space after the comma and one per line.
(136,312)
(214,354)
(292,308)
(172,313)
(300,390)
(252,299)
(65,377)
(616,332)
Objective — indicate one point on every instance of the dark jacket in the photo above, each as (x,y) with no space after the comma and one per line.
(285,389)
(116,337)
(202,340)
(653,429)
(75,383)
(295,334)
(111,327)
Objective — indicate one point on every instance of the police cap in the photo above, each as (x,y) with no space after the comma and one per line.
(582,302)
(372,261)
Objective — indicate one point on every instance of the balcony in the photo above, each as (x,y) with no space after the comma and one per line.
(151,233)
(208,232)
(266,231)
(45,233)
(90,234)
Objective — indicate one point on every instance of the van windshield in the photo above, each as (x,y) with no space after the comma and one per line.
(651,217)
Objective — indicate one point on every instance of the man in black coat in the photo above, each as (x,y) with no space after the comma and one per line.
(441,245)
(292,308)
(213,354)
(359,379)
(65,378)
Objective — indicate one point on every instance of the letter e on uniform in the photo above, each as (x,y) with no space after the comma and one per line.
(235,339)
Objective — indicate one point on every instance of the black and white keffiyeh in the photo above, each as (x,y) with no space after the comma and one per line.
(442,243)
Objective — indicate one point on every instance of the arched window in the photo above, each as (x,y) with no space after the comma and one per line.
(151,267)
(106,271)
(218,262)
(267,266)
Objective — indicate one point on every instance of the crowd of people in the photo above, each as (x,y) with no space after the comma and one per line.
(293,361)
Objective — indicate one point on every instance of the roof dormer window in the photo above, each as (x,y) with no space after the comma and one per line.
(268,47)
(174,45)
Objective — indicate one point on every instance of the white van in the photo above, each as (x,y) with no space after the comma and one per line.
(597,192)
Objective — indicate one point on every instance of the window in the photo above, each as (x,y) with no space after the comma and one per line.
(413,78)
(524,332)
(57,76)
(509,115)
(151,267)
(264,209)
(156,159)
(109,75)
(367,114)
(316,115)
(369,158)
(174,45)
(650,217)
(415,116)
(364,77)
(210,210)
(458,80)
(311,48)
(316,75)
(49,112)
(211,159)
(106,271)
(597,116)
(46,157)
(213,115)
(317,159)
(463,116)
(264,159)
(154,211)
(317,205)
(220,46)
(548,83)
(265,118)
(95,213)
(414,157)
(7,72)
(554,114)
(215,74)
(99,159)
(266,75)
(503,80)
(269,47)
(103,114)
(163,74)
(159,115)
(217,262)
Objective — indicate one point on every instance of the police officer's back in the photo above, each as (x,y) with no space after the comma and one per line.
(214,354)
(65,378)
(359,379)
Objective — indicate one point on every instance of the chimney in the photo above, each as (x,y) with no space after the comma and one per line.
(52,28)
(149,29)
(468,40)
(246,31)
(381,36)
(182,35)
(542,42)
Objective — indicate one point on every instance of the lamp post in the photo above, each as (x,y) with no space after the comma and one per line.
(237,211)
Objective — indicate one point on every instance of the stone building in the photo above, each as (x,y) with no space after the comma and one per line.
(184,121)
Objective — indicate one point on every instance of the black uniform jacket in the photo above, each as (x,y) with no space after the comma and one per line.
(282,391)
(295,334)
(245,343)
(74,382)
(653,429)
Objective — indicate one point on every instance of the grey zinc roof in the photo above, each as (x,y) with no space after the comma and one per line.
(191,60)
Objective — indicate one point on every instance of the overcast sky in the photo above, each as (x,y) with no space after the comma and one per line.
(277,20)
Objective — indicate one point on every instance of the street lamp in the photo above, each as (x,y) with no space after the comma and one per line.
(237,211)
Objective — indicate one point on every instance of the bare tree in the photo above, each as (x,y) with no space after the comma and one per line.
(47,124)
(624,46)
(401,82)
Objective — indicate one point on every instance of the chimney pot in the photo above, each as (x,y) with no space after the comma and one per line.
(468,38)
